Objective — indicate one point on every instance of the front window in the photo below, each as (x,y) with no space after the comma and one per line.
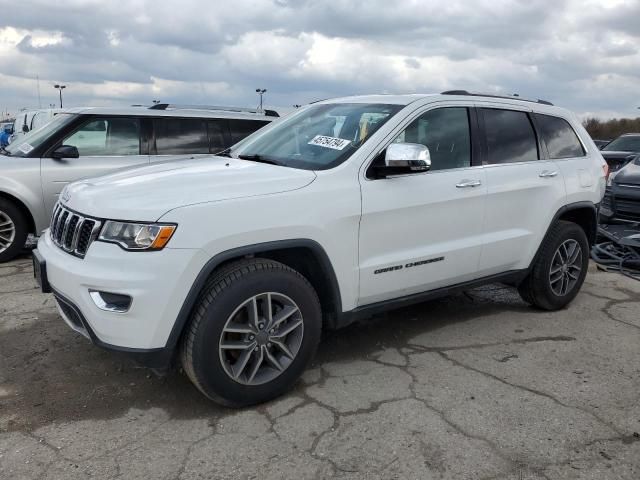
(34,139)
(624,144)
(106,137)
(317,138)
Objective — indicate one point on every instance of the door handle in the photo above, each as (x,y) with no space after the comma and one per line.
(547,174)
(468,183)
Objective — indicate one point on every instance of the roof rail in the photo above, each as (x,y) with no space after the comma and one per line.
(510,97)
(166,106)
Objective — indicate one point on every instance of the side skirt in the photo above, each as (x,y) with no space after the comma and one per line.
(513,277)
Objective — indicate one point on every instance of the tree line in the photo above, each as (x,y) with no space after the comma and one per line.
(610,129)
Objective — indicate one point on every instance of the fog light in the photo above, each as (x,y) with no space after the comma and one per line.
(111,302)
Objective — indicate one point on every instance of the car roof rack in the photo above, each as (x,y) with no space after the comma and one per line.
(166,106)
(510,97)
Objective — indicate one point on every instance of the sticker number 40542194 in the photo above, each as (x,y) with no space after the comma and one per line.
(329,142)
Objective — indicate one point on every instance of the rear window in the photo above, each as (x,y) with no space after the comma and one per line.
(561,139)
(510,136)
(240,129)
(181,136)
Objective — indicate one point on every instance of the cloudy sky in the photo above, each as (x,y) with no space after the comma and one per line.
(581,54)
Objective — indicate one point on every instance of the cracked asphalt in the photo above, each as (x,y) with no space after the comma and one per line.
(475,386)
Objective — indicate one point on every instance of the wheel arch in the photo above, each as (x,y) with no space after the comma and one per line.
(23,208)
(304,255)
(583,214)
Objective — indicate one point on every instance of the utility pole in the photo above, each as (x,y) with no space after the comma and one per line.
(261,92)
(60,88)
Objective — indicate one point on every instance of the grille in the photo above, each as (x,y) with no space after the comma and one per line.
(606,201)
(71,313)
(628,209)
(72,232)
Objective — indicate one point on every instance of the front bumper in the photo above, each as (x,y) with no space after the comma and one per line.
(158,282)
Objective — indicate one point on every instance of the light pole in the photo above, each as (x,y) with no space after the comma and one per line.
(60,88)
(261,92)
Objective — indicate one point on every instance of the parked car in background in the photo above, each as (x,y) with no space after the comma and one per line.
(345,208)
(622,150)
(30,120)
(601,143)
(621,202)
(87,142)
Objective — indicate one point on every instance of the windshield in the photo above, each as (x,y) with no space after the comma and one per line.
(23,145)
(318,138)
(629,143)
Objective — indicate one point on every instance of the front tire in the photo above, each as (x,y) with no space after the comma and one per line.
(13,230)
(560,269)
(253,332)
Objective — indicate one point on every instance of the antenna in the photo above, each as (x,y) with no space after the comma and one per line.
(38,85)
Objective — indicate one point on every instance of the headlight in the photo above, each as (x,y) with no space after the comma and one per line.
(612,175)
(137,236)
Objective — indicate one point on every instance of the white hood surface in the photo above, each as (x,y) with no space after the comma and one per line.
(146,193)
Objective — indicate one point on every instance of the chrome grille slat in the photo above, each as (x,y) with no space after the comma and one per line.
(76,234)
(72,232)
(65,231)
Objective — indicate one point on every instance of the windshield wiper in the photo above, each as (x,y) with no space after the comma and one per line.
(257,158)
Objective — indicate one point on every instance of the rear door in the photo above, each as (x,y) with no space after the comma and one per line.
(524,189)
(176,138)
(105,144)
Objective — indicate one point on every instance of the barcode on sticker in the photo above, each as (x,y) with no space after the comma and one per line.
(329,142)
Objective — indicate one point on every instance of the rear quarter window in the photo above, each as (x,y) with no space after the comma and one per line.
(560,138)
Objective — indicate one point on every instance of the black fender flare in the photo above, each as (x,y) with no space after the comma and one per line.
(244,251)
(591,236)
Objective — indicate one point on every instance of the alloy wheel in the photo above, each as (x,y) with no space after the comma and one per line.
(7,231)
(566,267)
(261,338)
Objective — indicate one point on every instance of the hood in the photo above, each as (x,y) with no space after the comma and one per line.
(629,175)
(146,193)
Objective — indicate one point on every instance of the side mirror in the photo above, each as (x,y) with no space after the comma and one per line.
(25,128)
(404,158)
(65,151)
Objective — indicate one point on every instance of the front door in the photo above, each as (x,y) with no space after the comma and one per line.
(423,231)
(105,144)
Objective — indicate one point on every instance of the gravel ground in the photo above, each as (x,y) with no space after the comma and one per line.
(476,386)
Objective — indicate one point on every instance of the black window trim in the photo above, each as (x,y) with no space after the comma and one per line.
(542,148)
(474,133)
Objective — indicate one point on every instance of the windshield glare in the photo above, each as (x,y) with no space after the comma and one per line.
(624,144)
(319,137)
(35,138)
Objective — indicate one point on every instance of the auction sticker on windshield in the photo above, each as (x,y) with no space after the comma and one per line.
(25,148)
(329,142)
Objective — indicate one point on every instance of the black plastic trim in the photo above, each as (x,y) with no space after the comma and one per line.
(255,249)
(155,358)
(489,95)
(591,236)
(365,311)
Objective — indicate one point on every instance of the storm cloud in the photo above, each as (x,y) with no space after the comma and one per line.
(580,54)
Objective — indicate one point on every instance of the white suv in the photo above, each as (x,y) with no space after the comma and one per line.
(348,207)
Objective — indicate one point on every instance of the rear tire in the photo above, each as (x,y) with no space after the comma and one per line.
(560,268)
(13,230)
(254,330)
